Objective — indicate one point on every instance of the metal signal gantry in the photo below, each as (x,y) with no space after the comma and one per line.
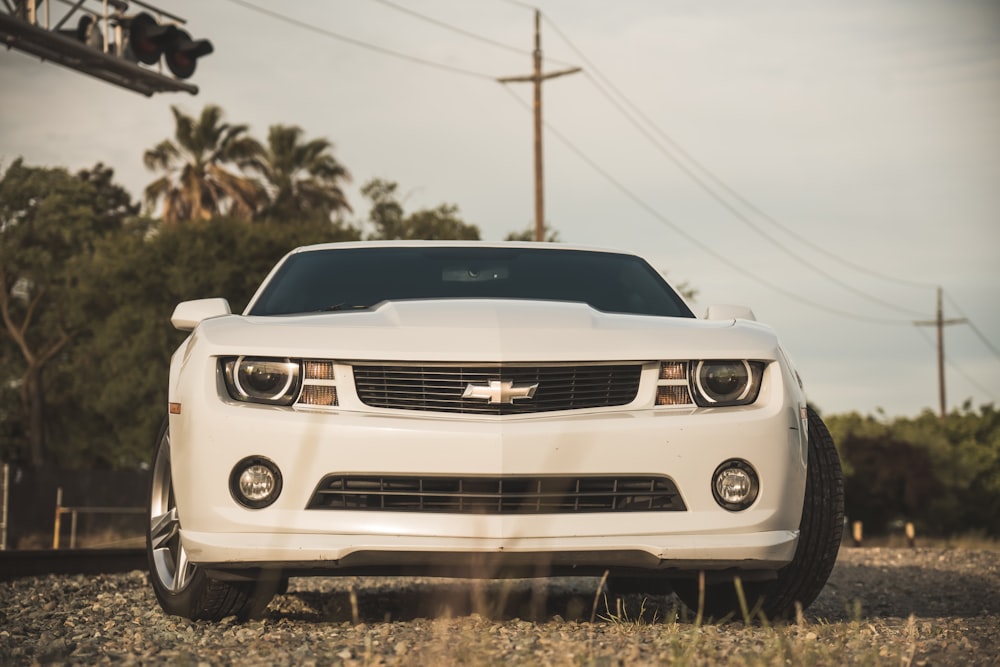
(109,43)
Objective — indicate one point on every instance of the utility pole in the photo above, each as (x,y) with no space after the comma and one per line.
(940,323)
(536,78)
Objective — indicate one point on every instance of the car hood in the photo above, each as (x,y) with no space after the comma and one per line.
(484,330)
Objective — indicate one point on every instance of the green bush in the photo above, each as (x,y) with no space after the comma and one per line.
(941,474)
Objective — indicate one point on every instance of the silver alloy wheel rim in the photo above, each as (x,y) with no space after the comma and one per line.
(170,562)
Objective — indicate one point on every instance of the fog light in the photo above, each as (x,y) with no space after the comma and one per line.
(735,485)
(255,482)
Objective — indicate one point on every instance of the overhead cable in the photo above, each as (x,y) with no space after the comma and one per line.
(462,31)
(974,328)
(357,42)
(522,5)
(746,220)
(955,367)
(591,68)
(456,70)
(704,247)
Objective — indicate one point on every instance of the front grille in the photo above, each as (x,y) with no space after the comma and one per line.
(440,388)
(497,495)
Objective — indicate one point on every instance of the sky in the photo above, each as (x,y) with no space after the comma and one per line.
(828,164)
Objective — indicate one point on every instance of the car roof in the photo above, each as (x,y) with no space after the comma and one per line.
(533,245)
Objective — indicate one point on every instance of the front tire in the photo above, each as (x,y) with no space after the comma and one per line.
(182,588)
(820,531)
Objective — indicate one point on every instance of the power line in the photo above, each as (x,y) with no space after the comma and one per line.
(357,42)
(461,31)
(958,369)
(974,328)
(706,248)
(452,28)
(522,5)
(456,70)
(591,68)
(746,220)
(330,34)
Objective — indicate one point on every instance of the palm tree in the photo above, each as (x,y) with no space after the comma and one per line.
(203,169)
(303,177)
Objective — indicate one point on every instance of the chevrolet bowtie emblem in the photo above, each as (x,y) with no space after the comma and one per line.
(500,391)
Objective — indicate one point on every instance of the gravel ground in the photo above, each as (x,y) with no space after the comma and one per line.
(882,606)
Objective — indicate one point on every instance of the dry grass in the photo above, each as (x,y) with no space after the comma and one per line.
(882,607)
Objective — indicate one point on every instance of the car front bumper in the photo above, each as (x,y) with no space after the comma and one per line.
(210,437)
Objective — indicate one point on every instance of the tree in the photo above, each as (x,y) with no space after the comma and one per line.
(303,177)
(115,382)
(204,169)
(943,474)
(386,213)
(879,490)
(528,234)
(390,222)
(50,223)
(12,433)
(683,288)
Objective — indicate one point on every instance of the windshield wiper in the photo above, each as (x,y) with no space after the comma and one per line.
(341,306)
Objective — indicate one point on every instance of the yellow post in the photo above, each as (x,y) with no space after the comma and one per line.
(857,533)
(55,533)
(911,535)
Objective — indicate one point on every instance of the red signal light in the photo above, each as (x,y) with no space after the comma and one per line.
(148,40)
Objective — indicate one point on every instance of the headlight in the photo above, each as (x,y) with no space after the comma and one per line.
(261,379)
(728,382)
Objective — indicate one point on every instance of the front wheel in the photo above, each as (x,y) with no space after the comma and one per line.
(181,587)
(820,531)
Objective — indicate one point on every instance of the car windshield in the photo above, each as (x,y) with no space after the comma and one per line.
(345,279)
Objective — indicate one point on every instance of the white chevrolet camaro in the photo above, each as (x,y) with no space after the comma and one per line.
(466,409)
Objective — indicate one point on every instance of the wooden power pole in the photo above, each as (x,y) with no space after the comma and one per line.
(536,78)
(940,323)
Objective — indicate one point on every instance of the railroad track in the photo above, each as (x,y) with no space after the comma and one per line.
(38,562)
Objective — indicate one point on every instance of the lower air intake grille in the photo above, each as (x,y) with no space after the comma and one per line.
(442,388)
(497,495)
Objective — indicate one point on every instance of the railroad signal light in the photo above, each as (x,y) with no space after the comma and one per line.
(182,53)
(108,44)
(148,41)
(146,38)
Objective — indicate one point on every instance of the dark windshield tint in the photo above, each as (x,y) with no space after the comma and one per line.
(352,278)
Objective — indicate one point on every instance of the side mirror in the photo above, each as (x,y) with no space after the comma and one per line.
(188,314)
(729,312)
